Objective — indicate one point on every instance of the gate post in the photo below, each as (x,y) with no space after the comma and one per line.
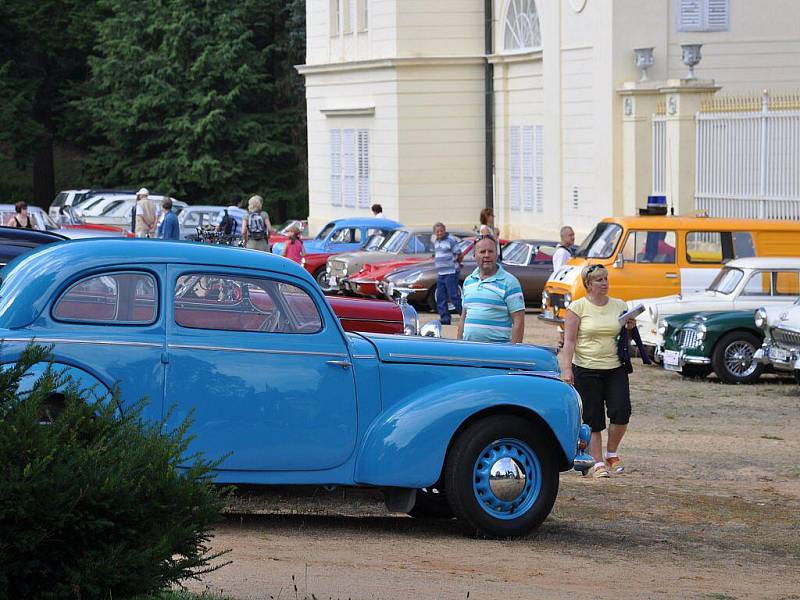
(639,100)
(683,98)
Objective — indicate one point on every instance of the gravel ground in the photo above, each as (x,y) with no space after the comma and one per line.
(709,508)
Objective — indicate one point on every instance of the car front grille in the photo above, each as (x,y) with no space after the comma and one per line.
(557,301)
(687,338)
(337,268)
(785,337)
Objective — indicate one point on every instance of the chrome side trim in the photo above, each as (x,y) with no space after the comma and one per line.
(364,356)
(463,360)
(94,342)
(254,350)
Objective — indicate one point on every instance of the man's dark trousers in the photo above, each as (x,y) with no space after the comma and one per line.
(447,291)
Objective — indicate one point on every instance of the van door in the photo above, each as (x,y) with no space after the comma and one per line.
(649,268)
(706,252)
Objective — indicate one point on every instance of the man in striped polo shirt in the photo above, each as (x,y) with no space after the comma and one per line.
(447,260)
(494,307)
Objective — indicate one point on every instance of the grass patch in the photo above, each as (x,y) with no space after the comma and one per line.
(183,595)
(771,437)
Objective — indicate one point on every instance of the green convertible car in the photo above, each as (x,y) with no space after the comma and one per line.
(698,344)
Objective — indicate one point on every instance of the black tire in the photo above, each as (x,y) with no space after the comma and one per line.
(322,279)
(730,354)
(498,434)
(695,372)
(430,300)
(431,503)
(797,376)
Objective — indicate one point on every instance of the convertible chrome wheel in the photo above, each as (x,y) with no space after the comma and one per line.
(733,358)
(501,476)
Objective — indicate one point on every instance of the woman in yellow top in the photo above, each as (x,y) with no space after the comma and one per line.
(590,362)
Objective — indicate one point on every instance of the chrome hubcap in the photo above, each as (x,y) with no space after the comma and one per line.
(507,479)
(739,359)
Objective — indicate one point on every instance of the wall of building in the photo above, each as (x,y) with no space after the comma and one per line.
(440,27)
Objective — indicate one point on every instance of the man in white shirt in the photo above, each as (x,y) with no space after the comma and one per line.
(377,211)
(564,250)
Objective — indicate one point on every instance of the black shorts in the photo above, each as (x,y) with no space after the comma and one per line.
(603,390)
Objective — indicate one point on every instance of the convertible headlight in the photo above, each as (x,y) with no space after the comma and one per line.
(567,300)
(761,318)
(702,330)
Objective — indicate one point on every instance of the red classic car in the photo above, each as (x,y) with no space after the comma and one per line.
(364,283)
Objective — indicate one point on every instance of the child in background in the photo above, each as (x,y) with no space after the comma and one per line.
(293,249)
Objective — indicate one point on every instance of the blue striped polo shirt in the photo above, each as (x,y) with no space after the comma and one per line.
(489,303)
(446,255)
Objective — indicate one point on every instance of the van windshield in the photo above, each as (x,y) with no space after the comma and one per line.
(726,281)
(601,242)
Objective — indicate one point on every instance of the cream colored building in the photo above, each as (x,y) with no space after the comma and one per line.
(397,103)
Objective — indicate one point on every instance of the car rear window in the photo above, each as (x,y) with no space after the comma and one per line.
(116,298)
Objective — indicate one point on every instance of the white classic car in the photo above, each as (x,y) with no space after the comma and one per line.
(742,284)
(781,349)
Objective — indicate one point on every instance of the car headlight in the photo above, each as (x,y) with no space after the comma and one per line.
(702,330)
(567,300)
(761,318)
(390,289)
(303,261)
(545,299)
(410,319)
(653,312)
(662,327)
(344,270)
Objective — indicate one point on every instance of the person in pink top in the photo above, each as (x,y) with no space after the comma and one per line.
(293,249)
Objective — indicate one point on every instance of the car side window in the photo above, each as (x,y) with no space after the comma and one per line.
(785,283)
(238,303)
(757,285)
(346,236)
(650,247)
(121,298)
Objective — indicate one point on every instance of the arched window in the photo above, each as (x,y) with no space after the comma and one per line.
(522,30)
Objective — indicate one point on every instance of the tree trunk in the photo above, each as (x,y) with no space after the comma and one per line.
(44,184)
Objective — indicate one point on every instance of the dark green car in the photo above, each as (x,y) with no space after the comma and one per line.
(698,344)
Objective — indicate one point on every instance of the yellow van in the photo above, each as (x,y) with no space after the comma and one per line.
(649,256)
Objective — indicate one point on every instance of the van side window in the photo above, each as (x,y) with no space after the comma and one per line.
(785,283)
(704,247)
(743,246)
(650,247)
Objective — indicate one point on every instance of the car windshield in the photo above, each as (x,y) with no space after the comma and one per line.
(396,242)
(326,231)
(111,206)
(59,200)
(517,253)
(375,242)
(601,242)
(726,281)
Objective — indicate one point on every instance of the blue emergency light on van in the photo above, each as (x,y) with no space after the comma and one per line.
(656,205)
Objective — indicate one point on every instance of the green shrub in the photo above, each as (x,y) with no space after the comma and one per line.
(91,502)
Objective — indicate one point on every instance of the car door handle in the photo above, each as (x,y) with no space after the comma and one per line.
(671,275)
(345,364)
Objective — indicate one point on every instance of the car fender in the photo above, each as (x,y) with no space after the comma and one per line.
(406,445)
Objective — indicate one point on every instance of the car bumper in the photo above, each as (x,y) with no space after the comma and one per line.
(549,317)
(780,357)
(683,359)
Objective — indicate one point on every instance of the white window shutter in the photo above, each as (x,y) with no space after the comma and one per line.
(527,167)
(538,152)
(349,167)
(514,166)
(363,168)
(690,15)
(352,16)
(718,15)
(336,167)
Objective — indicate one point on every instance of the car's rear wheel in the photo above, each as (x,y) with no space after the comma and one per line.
(321,275)
(501,477)
(733,358)
(695,372)
(431,503)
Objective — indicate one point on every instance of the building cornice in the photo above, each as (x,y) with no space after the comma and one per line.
(391,63)
(532,56)
(351,111)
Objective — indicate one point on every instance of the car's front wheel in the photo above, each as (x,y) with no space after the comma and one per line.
(321,275)
(733,359)
(501,476)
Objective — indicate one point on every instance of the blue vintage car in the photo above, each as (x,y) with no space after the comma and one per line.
(248,342)
(345,235)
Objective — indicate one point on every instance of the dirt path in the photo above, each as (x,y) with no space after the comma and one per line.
(710,508)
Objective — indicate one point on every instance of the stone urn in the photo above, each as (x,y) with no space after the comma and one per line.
(691,57)
(643,59)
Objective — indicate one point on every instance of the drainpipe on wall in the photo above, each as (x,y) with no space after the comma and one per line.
(489,104)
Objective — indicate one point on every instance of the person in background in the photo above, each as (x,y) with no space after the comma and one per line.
(145,215)
(227,224)
(494,307)
(377,211)
(447,260)
(591,362)
(565,249)
(487,226)
(168,228)
(256,226)
(21,219)
(293,249)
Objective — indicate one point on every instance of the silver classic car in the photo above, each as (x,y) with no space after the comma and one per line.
(781,349)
